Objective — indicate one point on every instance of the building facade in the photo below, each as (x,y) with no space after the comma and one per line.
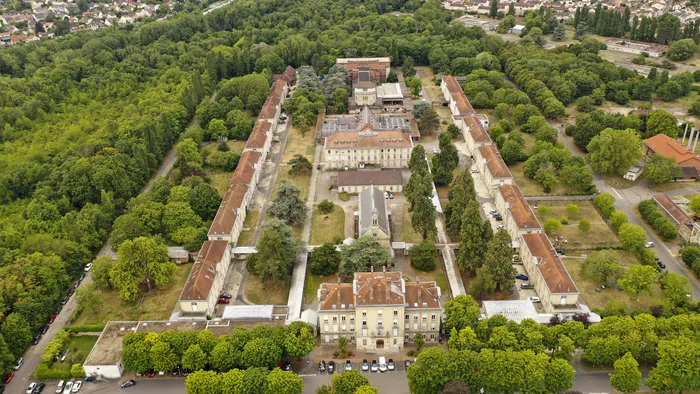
(367,148)
(685,225)
(201,292)
(495,172)
(379,312)
(473,131)
(518,217)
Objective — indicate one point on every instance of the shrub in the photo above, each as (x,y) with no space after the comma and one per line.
(77,371)
(325,206)
(584,225)
(572,209)
(552,226)
(564,220)
(324,260)
(43,372)
(543,209)
(85,328)
(423,256)
(344,196)
(690,253)
(55,347)
(667,231)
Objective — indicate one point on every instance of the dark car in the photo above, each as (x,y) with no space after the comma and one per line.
(65,300)
(226,295)
(58,309)
(561,252)
(38,388)
(71,291)
(46,328)
(2,389)
(661,264)
(322,366)
(331,366)
(521,277)
(82,276)
(176,372)
(89,378)
(286,366)
(128,383)
(151,373)
(36,340)
(526,286)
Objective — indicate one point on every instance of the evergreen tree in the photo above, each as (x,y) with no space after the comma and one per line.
(559,33)
(511,9)
(462,192)
(498,260)
(472,247)
(580,30)
(493,11)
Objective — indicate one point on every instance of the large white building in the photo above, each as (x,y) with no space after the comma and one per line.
(201,292)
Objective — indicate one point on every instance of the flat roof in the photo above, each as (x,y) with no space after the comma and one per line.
(515,310)
(555,275)
(672,209)
(248,312)
(497,167)
(518,207)
(350,60)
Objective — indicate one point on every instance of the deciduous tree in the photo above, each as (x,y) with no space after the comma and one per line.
(142,260)
(288,204)
(627,376)
(362,254)
(324,260)
(423,256)
(638,278)
(614,151)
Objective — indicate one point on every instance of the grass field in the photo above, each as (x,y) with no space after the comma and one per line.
(312,284)
(326,227)
(156,305)
(80,345)
(600,235)
(220,180)
(261,293)
(409,234)
(303,181)
(299,143)
(251,222)
(599,300)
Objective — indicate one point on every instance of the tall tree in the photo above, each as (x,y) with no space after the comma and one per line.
(362,254)
(472,248)
(429,122)
(614,151)
(661,169)
(140,261)
(493,10)
(288,204)
(423,217)
(461,312)
(499,261)
(627,376)
(277,252)
(638,278)
(461,192)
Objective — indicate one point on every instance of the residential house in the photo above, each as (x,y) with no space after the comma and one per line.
(379,311)
(228,222)
(518,217)
(260,139)
(201,292)
(374,217)
(357,181)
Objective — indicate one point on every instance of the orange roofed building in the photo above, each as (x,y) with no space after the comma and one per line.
(662,144)
(379,311)
(201,292)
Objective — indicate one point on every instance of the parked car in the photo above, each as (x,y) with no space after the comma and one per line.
(516,257)
(38,389)
(19,363)
(365,365)
(128,383)
(224,300)
(31,387)
(76,386)
(89,378)
(46,328)
(435,151)
(82,276)
(661,265)
(407,364)
(226,295)
(493,212)
(561,251)
(475,171)
(52,318)
(322,366)
(382,364)
(286,366)
(348,365)
(521,277)
(535,299)
(87,267)
(58,309)
(386,195)
(2,389)
(649,244)
(374,366)
(65,300)
(391,196)
(36,339)
(176,371)
(59,388)
(390,365)
(331,366)
(9,377)
(68,387)
(525,286)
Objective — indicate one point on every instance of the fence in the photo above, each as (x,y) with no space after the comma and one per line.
(560,197)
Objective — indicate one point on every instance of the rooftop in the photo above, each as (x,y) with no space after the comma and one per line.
(497,167)
(248,312)
(672,209)
(519,208)
(515,310)
(245,170)
(389,90)
(203,271)
(389,139)
(464,107)
(476,129)
(363,60)
(228,210)
(452,84)
(555,275)
(258,136)
(372,202)
(664,145)
(357,122)
(362,178)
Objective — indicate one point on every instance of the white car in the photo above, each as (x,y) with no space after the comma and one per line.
(19,363)
(435,150)
(87,267)
(76,386)
(475,171)
(68,388)
(31,387)
(535,299)
(649,244)
(59,388)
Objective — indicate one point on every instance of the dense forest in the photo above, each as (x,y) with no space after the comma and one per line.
(85,120)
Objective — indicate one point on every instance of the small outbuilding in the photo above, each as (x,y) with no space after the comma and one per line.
(517,29)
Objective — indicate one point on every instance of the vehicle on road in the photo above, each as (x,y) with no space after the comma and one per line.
(9,377)
(475,171)
(322,366)
(87,267)
(661,264)
(535,299)
(435,150)
(36,339)
(407,364)
(348,365)
(128,383)
(390,365)
(365,365)
(31,387)
(561,252)
(46,328)
(39,388)
(382,364)
(521,277)
(649,244)
(331,367)
(19,363)
(526,286)
(226,295)
(65,300)
(67,388)
(516,257)
(374,366)
(76,386)
(52,318)
(59,388)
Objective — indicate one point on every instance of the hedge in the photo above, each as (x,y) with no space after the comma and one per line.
(85,328)
(44,373)
(651,214)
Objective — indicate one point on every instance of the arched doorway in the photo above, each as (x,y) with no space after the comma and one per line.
(380,344)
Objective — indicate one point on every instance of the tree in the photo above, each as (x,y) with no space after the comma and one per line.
(638,278)
(188,157)
(203,382)
(418,340)
(461,312)
(429,122)
(493,10)
(277,252)
(565,348)
(498,260)
(288,205)
(136,354)
(300,165)
(552,227)
(694,205)
(423,217)
(675,288)
(676,369)
(255,380)
(348,382)
(559,33)
(217,130)
(617,219)
(77,371)
(204,200)
(224,356)
(194,358)
(572,209)
(627,375)
(632,237)
(682,49)
(261,352)
(472,248)
(559,376)
(661,122)
(178,215)
(661,169)
(606,203)
(407,67)
(362,254)
(462,191)
(366,390)
(602,266)
(299,340)
(427,374)
(512,151)
(142,260)
(423,256)
(325,206)
(324,260)
(483,284)
(580,30)
(417,163)
(87,297)
(232,381)
(614,151)
(339,100)
(283,382)
(414,85)
(162,357)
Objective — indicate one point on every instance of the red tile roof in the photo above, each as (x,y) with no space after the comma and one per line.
(228,211)
(464,107)
(476,129)
(203,272)
(378,288)
(356,140)
(452,84)
(422,295)
(246,168)
(519,208)
(258,136)
(672,209)
(664,145)
(336,296)
(555,275)
(497,167)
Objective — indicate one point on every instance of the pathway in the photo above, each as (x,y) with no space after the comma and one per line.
(296,290)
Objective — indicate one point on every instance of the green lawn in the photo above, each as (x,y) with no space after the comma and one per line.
(80,347)
(156,305)
(313,282)
(327,227)
(251,222)
(302,181)
(261,293)
(600,235)
(531,187)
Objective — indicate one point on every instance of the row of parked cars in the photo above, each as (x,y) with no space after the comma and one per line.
(383,365)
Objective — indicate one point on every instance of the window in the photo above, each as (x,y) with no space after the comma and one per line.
(396,331)
(432,337)
(431,317)
(325,329)
(335,319)
(342,318)
(194,306)
(408,317)
(379,321)
(364,313)
(396,311)
(364,323)
(395,343)
(364,342)
(425,317)
(396,322)
(379,312)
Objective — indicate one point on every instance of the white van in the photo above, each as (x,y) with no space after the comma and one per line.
(382,364)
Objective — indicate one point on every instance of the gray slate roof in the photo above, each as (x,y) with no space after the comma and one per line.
(371,200)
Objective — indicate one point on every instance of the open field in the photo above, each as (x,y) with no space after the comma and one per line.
(299,143)
(260,293)
(80,345)
(531,187)
(251,222)
(600,235)
(599,300)
(327,227)
(156,305)
(234,146)
(313,282)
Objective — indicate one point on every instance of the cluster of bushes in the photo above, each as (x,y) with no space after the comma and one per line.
(691,257)
(632,237)
(52,353)
(85,328)
(651,214)
(263,346)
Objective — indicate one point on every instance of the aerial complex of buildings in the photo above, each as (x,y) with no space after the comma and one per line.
(39,22)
